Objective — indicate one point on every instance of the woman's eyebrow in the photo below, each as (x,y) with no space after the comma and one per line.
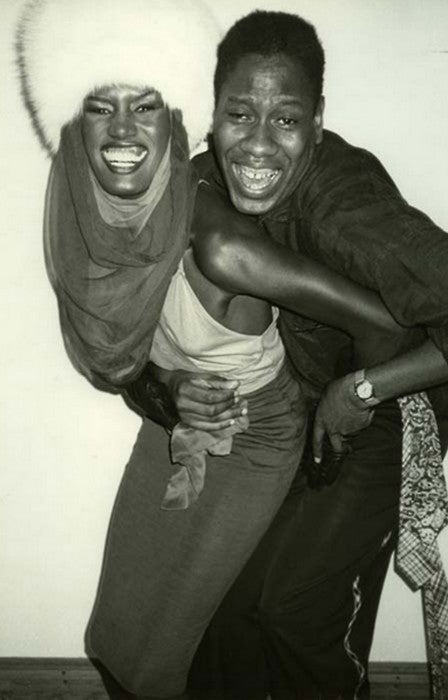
(145,94)
(98,98)
(153,95)
(104,98)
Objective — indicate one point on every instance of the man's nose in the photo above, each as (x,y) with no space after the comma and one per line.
(260,142)
(122,125)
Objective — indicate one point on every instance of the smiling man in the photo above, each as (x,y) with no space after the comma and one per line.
(299,621)
(266,96)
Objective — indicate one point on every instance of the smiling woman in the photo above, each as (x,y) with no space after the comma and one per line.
(118,124)
(126,133)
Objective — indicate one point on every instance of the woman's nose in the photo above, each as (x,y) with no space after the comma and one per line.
(259,141)
(122,125)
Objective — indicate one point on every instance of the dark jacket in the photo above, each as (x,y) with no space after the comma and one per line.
(348,214)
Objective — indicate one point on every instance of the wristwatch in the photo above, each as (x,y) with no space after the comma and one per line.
(364,389)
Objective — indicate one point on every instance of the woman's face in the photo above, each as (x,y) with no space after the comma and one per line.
(126,132)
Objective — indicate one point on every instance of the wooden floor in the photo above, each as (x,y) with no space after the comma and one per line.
(77,679)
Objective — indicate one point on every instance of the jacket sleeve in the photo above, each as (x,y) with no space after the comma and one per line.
(356,221)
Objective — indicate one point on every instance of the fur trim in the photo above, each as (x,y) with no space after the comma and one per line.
(67,48)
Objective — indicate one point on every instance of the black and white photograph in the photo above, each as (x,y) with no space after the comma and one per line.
(224,302)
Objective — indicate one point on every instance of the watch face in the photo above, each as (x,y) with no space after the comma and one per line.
(364,389)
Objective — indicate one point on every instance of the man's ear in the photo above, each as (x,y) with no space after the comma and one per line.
(319,120)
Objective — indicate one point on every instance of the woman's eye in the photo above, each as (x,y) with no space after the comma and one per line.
(146,108)
(96,109)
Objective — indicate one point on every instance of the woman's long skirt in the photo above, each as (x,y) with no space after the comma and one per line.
(165,572)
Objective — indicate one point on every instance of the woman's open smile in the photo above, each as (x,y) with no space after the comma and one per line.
(126,130)
(122,159)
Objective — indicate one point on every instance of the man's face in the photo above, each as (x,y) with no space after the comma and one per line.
(126,132)
(265,129)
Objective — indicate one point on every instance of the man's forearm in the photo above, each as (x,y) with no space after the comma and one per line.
(415,370)
(347,403)
(149,397)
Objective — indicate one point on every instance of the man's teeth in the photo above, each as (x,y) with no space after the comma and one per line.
(124,156)
(255,179)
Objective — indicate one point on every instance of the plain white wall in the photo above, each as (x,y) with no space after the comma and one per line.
(63,445)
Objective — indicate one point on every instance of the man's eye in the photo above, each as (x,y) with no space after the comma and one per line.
(238,116)
(287,121)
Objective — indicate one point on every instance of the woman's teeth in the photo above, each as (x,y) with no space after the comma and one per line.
(124,155)
(255,179)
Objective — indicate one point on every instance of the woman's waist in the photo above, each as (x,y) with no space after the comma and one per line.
(252,370)
(277,415)
(276,397)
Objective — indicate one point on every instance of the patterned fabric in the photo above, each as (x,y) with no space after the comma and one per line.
(423,514)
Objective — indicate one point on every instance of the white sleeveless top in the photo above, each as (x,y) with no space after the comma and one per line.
(188,338)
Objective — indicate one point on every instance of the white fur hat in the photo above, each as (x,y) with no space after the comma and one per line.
(67,48)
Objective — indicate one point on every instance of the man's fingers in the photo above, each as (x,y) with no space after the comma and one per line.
(215,388)
(207,410)
(318,438)
(337,443)
(215,416)
(214,382)
(217,393)
(335,440)
(208,402)
(221,421)
(201,424)
(193,417)
(209,397)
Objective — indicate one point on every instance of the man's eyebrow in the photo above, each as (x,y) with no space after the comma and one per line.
(281,99)
(239,98)
(290,100)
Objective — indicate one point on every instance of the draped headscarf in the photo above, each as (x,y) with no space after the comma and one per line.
(111,280)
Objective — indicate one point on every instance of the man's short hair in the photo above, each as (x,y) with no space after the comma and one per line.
(269,34)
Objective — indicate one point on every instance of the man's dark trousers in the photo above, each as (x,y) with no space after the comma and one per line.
(298,622)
